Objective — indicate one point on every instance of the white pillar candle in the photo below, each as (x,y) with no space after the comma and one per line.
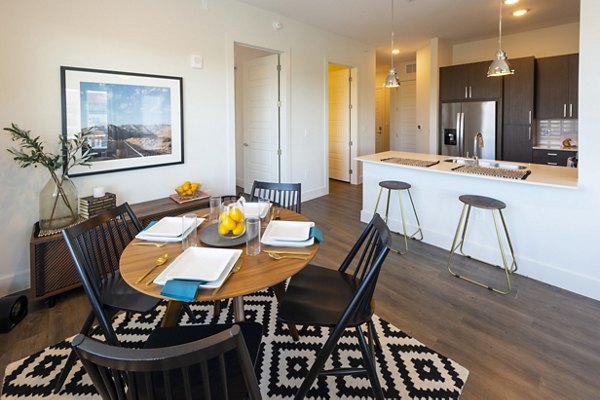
(99,191)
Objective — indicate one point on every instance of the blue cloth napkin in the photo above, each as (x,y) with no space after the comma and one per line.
(316,233)
(181,289)
(150,224)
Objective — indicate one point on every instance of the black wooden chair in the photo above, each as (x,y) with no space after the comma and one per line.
(182,362)
(96,246)
(341,299)
(286,195)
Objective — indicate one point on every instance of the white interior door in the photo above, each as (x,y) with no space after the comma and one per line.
(261,121)
(382,120)
(339,124)
(408,116)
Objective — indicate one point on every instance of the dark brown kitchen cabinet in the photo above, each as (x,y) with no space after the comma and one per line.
(557,87)
(518,96)
(552,157)
(468,81)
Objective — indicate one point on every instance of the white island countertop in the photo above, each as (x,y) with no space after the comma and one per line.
(545,175)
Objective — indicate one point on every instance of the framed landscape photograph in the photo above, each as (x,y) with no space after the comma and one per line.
(136,120)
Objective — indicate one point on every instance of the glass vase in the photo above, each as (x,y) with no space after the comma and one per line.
(59,203)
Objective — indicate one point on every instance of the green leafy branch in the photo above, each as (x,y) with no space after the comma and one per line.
(75,151)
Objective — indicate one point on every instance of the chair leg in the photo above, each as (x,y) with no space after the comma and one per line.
(317,366)
(85,329)
(419,230)
(373,337)
(217,307)
(189,312)
(369,364)
(508,270)
(403,224)
(279,291)
(513,267)
(454,245)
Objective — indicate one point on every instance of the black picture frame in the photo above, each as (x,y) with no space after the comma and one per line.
(136,119)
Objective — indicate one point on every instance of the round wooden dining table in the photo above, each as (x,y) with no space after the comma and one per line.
(256,273)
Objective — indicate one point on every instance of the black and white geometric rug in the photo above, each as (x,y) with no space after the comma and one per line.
(407,368)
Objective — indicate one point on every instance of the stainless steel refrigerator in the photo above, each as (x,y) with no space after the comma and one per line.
(461,122)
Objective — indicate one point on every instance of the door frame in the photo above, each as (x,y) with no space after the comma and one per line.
(353,121)
(285,127)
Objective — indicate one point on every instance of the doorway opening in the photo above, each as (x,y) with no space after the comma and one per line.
(257,115)
(341,122)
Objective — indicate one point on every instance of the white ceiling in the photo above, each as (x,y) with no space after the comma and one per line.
(416,21)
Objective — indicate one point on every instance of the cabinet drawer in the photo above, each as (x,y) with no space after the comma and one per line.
(551,157)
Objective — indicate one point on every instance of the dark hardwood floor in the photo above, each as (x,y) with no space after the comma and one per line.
(539,342)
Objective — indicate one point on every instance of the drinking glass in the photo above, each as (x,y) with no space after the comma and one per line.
(215,209)
(264,206)
(189,236)
(252,236)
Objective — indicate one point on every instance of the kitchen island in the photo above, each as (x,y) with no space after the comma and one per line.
(536,214)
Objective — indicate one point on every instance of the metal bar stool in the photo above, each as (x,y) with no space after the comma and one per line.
(399,186)
(495,206)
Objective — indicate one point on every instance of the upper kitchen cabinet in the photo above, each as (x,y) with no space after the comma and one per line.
(557,87)
(468,81)
(518,102)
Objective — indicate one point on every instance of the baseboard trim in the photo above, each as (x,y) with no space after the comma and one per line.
(14,283)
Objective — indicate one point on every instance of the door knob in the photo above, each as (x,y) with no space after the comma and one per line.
(245,144)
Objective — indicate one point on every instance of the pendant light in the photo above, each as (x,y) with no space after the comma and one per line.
(391,81)
(500,65)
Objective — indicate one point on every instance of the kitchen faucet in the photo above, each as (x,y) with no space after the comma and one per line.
(477,144)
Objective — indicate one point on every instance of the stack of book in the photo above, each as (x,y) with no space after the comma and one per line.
(91,206)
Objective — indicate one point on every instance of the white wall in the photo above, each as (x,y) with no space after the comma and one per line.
(36,38)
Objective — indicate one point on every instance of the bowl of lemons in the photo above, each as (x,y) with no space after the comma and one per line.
(188,189)
(231,220)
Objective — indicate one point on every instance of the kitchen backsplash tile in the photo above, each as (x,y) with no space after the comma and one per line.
(552,132)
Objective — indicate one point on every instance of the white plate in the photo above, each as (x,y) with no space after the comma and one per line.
(167,227)
(283,243)
(289,231)
(201,263)
(170,226)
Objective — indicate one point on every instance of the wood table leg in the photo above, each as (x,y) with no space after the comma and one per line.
(238,309)
(279,290)
(172,313)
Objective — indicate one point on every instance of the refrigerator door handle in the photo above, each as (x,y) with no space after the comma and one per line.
(461,133)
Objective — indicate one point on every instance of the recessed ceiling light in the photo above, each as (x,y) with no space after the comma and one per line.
(395,51)
(509,2)
(520,13)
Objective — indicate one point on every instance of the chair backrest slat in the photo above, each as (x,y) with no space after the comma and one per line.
(373,245)
(286,195)
(190,361)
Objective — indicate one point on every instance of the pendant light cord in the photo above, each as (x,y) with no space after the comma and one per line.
(392,49)
(499,28)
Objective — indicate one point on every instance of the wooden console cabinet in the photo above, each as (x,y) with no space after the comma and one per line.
(51,266)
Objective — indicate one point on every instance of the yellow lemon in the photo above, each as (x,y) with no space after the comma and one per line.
(223,230)
(195,186)
(229,223)
(236,214)
(186,185)
(223,216)
(239,228)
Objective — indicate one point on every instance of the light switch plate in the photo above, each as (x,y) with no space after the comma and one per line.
(197,62)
